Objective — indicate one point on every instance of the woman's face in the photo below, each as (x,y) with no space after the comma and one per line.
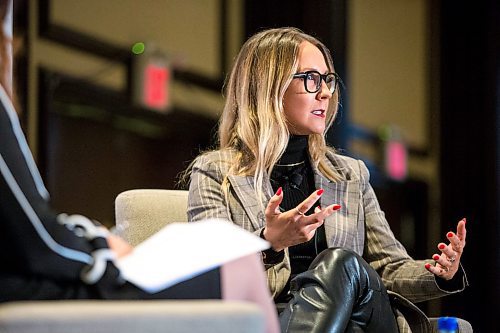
(306,112)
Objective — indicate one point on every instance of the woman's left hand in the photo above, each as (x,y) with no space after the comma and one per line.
(448,262)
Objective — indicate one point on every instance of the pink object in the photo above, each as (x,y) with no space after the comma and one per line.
(396,160)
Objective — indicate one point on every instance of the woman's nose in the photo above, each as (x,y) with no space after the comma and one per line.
(324,92)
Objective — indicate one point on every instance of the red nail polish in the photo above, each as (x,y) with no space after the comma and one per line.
(427,266)
(442,246)
(278,192)
(336,207)
(449,235)
(435,257)
(320,191)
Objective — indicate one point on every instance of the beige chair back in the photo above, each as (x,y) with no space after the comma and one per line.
(141,213)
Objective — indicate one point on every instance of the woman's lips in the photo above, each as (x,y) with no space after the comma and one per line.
(319,113)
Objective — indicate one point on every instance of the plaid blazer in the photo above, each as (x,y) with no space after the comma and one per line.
(360,225)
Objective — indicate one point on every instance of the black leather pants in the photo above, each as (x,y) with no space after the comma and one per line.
(339,293)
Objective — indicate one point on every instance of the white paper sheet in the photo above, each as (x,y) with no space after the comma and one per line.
(183,250)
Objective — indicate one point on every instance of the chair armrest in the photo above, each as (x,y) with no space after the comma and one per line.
(173,316)
(141,213)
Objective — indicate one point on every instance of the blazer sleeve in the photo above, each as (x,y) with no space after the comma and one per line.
(36,240)
(400,273)
(206,198)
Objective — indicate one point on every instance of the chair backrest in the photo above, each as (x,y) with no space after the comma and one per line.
(141,213)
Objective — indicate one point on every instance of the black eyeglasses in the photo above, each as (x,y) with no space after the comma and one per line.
(312,80)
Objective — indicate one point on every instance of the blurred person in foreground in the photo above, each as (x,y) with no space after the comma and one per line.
(51,256)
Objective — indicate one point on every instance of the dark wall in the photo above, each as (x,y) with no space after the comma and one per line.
(95,144)
(470,134)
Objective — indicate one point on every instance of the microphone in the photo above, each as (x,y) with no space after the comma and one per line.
(296,180)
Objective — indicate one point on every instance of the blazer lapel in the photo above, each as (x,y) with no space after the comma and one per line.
(244,190)
(341,227)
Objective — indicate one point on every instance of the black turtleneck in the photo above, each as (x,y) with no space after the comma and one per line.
(294,174)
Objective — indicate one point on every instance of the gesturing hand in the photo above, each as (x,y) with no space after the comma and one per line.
(285,229)
(448,262)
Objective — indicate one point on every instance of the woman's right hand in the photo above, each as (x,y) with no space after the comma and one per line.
(285,229)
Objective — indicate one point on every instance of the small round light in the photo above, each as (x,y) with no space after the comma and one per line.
(138,48)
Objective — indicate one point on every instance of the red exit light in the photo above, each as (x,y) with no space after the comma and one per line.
(155,92)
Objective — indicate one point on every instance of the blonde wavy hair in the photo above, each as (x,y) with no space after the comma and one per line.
(253,123)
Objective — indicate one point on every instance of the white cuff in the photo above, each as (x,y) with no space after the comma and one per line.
(93,273)
(82,226)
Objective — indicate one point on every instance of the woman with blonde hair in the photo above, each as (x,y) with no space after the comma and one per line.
(333,254)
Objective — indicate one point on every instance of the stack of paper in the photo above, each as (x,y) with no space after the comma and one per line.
(183,250)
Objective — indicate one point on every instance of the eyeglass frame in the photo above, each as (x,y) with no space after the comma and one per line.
(303,75)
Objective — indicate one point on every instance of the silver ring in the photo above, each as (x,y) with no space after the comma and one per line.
(298,211)
(452,259)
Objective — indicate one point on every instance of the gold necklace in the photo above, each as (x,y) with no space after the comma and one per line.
(289,165)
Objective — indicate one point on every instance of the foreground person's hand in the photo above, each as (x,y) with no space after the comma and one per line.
(118,245)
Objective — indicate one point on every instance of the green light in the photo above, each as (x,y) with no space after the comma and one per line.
(384,132)
(138,48)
